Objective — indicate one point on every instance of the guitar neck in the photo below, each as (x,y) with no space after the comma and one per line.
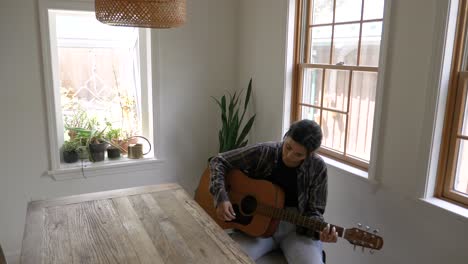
(297,219)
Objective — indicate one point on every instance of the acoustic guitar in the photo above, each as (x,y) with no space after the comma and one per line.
(258,205)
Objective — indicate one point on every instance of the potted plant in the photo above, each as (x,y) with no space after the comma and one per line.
(70,151)
(113,136)
(97,145)
(228,136)
(81,136)
(82,147)
(79,119)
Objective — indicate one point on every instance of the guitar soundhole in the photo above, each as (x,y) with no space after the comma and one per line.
(248,205)
(240,218)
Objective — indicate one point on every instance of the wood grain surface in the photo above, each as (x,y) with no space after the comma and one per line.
(150,224)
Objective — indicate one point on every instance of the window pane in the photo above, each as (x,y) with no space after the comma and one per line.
(362,106)
(348,10)
(98,73)
(370,44)
(336,89)
(310,113)
(373,9)
(321,44)
(322,12)
(461,176)
(79,27)
(333,127)
(345,44)
(312,86)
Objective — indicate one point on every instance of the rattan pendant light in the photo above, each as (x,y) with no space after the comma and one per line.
(141,13)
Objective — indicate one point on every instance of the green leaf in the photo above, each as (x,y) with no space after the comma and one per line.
(220,137)
(246,129)
(236,100)
(247,96)
(234,131)
(225,131)
(217,101)
(223,110)
(231,107)
(243,144)
(247,99)
(223,104)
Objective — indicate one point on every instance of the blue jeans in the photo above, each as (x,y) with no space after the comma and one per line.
(297,249)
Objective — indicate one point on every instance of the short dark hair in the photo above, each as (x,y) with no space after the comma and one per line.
(307,133)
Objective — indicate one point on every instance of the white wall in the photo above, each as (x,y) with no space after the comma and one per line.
(262,44)
(197,61)
(414,232)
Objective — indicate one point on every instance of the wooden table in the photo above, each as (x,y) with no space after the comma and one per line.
(150,224)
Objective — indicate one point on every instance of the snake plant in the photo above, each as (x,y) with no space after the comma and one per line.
(231,117)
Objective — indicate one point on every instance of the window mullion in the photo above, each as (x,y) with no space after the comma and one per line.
(333,33)
(358,59)
(351,73)
(347,22)
(321,95)
(340,67)
(308,33)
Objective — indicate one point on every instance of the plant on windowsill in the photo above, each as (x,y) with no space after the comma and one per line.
(80,137)
(92,142)
(70,151)
(97,145)
(79,119)
(114,138)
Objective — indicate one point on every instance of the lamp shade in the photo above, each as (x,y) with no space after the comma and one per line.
(141,13)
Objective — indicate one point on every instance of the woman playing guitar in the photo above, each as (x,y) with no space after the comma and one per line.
(294,166)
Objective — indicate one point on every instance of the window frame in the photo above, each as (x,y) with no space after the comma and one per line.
(302,36)
(52,94)
(453,117)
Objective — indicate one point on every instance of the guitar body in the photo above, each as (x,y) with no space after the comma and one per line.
(245,194)
(258,205)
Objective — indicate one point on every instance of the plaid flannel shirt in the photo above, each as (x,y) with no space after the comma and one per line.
(258,161)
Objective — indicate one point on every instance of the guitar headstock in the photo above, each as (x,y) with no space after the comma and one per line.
(363,238)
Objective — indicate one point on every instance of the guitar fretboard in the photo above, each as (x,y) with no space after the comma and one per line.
(297,219)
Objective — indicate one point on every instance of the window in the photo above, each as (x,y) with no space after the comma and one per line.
(97,77)
(453,163)
(337,58)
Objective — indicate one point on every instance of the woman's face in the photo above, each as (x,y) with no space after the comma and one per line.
(293,153)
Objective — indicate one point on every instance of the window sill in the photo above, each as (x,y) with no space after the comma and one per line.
(458,211)
(346,169)
(107,167)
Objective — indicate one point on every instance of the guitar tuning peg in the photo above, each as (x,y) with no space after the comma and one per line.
(376,231)
(367,228)
(362,249)
(359,225)
(354,248)
(371,251)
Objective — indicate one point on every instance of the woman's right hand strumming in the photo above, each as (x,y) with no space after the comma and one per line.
(225,212)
